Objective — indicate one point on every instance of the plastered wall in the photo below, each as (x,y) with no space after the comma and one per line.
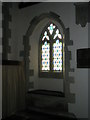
(20,22)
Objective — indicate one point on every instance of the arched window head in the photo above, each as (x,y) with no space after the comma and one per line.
(51,52)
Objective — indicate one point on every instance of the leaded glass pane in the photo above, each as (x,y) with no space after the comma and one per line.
(46,56)
(51,28)
(57,56)
(57,35)
(45,36)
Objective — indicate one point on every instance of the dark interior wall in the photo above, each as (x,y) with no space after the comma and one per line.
(6,32)
(19,26)
(89,71)
(0,60)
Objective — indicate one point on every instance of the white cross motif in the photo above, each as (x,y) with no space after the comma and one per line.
(50,28)
(57,34)
(45,36)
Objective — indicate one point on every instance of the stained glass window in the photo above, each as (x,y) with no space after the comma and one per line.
(51,50)
(57,56)
(46,56)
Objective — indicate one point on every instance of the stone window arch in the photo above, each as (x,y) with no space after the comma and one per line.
(69,97)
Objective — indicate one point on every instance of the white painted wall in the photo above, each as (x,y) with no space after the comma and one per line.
(79,36)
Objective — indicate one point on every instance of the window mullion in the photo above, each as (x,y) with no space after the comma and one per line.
(51,55)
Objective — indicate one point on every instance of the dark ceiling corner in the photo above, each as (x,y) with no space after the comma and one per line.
(27,4)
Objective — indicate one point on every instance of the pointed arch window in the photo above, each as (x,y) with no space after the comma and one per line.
(51,52)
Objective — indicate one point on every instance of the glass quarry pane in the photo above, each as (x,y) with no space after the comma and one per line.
(46,56)
(57,56)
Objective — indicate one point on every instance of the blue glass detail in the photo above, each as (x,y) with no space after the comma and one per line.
(51,28)
(45,43)
(57,41)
